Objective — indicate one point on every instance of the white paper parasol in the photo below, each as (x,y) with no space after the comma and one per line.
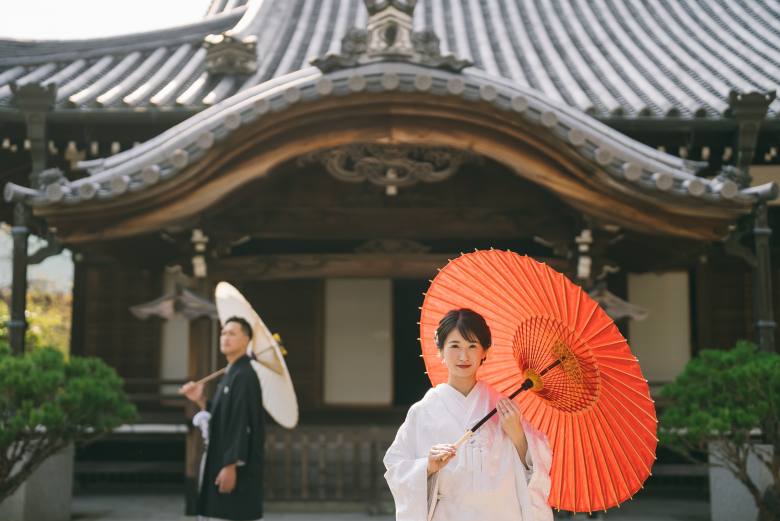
(268,359)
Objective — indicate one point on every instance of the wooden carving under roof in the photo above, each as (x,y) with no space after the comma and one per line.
(391,166)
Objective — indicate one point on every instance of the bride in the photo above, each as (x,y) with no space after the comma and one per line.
(501,473)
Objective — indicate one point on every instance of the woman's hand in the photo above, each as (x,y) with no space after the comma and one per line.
(509,415)
(439,456)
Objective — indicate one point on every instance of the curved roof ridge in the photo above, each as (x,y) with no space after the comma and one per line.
(630,165)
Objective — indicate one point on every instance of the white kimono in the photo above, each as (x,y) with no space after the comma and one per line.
(485,480)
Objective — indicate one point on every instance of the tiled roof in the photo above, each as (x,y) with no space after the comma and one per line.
(224,6)
(609,58)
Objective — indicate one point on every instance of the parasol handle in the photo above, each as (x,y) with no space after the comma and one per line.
(211,376)
(463,439)
(526,385)
(215,374)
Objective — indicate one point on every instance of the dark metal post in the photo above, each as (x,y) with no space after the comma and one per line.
(762,280)
(20,232)
(749,109)
(34,101)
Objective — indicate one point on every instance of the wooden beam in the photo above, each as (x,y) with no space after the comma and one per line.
(399,223)
(198,365)
(313,266)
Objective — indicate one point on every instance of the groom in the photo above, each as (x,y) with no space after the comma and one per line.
(231,485)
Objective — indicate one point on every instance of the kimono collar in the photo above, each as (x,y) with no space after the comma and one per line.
(239,361)
(461,407)
(457,395)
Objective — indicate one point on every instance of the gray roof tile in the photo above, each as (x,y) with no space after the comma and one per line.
(619,58)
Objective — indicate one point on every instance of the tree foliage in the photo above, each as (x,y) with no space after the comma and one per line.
(48,315)
(46,403)
(727,403)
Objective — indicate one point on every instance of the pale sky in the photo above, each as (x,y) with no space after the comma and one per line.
(80,19)
(56,270)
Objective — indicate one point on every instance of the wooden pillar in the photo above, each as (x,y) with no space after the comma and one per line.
(199,365)
(78,320)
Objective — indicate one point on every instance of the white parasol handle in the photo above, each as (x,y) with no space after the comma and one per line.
(211,376)
(463,439)
(215,374)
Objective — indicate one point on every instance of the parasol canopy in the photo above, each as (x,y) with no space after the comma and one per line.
(588,394)
(267,357)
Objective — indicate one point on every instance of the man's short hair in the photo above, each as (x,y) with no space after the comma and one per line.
(245,327)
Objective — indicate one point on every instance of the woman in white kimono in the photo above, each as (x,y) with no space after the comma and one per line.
(501,473)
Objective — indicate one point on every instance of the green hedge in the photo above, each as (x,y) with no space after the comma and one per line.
(727,403)
(47,403)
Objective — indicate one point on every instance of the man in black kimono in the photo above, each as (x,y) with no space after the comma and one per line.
(232,478)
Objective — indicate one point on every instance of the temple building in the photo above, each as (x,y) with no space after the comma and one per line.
(326,156)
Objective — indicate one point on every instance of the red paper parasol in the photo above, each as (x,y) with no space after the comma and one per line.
(589,396)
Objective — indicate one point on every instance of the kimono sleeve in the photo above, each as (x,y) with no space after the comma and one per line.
(540,457)
(245,401)
(201,421)
(407,473)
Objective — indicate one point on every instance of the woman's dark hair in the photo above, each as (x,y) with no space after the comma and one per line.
(469,323)
(245,327)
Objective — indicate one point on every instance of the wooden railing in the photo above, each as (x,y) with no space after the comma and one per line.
(153,391)
(328,464)
(323,464)
(321,467)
